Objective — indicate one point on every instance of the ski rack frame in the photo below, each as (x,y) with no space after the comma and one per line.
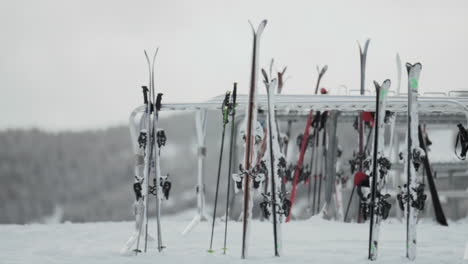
(301,104)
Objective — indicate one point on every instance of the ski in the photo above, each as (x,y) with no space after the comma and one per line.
(298,168)
(438,211)
(161,184)
(140,177)
(251,122)
(277,165)
(314,161)
(412,197)
(315,144)
(378,207)
(225,109)
(157,138)
(323,156)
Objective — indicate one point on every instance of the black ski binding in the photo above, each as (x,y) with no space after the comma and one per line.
(402,197)
(264,205)
(161,138)
(258,174)
(142,139)
(462,138)
(419,202)
(285,204)
(418,155)
(385,165)
(137,189)
(383,206)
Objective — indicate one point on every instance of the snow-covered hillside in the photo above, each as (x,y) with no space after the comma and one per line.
(311,241)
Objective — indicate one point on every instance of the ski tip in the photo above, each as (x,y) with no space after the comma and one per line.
(252,27)
(265,76)
(155,54)
(271,66)
(147,56)
(408,66)
(324,70)
(210,251)
(366,44)
(261,27)
(377,85)
(386,84)
(363,51)
(417,66)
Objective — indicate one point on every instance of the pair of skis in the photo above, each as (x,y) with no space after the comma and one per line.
(378,207)
(412,197)
(250,169)
(275,199)
(248,172)
(150,140)
(360,156)
(320,161)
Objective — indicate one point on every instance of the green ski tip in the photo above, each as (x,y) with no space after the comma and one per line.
(383,92)
(414,83)
(210,250)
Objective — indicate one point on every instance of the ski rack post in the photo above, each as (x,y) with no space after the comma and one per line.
(200,125)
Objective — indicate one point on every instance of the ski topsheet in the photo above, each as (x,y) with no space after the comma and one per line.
(378,206)
(251,122)
(277,162)
(414,188)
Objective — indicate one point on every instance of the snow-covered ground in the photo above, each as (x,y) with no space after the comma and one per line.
(311,241)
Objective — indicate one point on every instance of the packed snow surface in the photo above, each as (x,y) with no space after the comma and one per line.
(310,241)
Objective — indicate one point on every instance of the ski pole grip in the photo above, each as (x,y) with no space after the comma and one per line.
(145,94)
(158,101)
(234,93)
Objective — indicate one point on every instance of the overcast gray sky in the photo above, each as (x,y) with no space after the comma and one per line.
(79,64)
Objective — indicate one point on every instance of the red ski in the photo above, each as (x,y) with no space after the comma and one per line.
(297,170)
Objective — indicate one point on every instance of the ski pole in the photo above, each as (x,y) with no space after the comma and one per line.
(225,121)
(231,146)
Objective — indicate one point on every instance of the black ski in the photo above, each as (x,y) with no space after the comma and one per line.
(439,212)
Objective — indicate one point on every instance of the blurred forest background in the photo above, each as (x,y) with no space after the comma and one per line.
(83,176)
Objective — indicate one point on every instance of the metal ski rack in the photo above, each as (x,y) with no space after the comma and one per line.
(301,104)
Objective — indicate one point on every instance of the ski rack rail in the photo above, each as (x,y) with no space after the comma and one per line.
(301,104)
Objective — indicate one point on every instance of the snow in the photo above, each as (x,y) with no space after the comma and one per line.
(311,241)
